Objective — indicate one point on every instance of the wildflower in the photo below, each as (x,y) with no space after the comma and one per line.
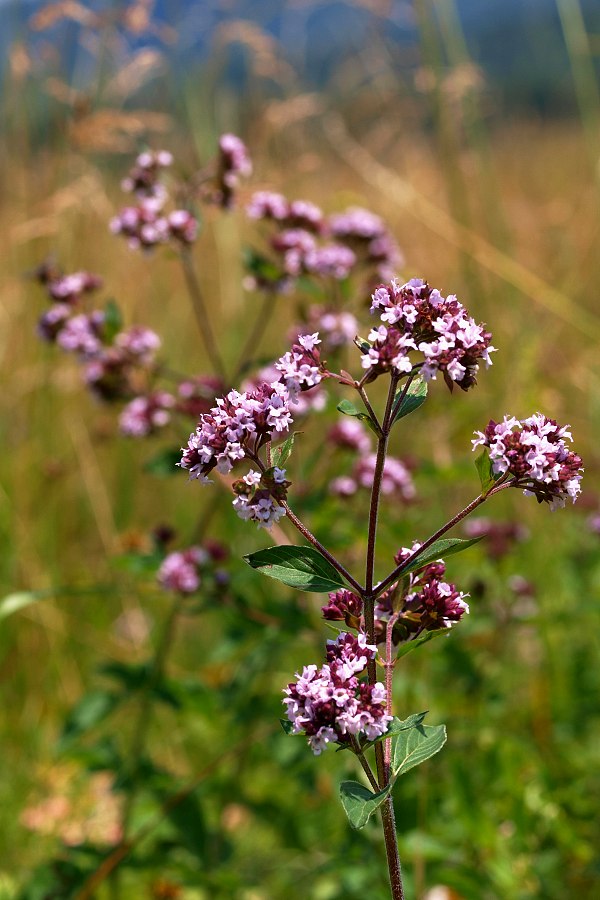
(145,415)
(142,179)
(138,343)
(239,424)
(234,162)
(396,479)
(343,606)
(330,704)
(304,214)
(82,334)
(417,318)
(301,367)
(182,226)
(350,434)
(330,260)
(53,321)
(180,571)
(144,225)
(258,496)
(70,288)
(429,603)
(533,453)
(268,205)
(196,395)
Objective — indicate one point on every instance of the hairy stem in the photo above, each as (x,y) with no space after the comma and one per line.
(387,809)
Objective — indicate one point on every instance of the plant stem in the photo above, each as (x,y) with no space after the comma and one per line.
(387,808)
(319,546)
(254,335)
(431,540)
(201,313)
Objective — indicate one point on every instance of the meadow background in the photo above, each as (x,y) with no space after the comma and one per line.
(489,179)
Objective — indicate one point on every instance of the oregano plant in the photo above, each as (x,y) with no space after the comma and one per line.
(246,435)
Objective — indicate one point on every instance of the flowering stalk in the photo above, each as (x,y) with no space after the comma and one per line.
(201,313)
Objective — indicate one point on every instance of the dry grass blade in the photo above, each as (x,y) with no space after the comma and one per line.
(437,220)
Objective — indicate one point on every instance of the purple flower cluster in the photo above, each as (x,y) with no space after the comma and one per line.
(337,328)
(330,704)
(147,224)
(418,319)
(308,242)
(234,163)
(143,179)
(235,428)
(534,454)
(180,571)
(301,368)
(259,496)
(429,604)
(344,606)
(146,414)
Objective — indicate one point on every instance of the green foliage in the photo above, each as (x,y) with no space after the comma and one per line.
(300,567)
(442,548)
(282,453)
(483,464)
(414,398)
(349,409)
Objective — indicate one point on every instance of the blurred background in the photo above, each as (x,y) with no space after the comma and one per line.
(473,129)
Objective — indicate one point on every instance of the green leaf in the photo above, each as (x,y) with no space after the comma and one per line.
(164,463)
(349,409)
(113,321)
(363,345)
(395,727)
(359,802)
(92,709)
(300,567)
(415,397)
(409,646)
(444,547)
(415,745)
(286,725)
(483,464)
(282,453)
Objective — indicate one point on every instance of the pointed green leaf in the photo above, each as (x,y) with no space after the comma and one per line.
(409,646)
(359,802)
(415,745)
(415,397)
(444,547)
(349,409)
(483,464)
(300,567)
(282,453)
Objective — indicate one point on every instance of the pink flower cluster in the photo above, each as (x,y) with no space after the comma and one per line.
(301,367)
(337,328)
(234,163)
(146,414)
(429,604)
(330,704)
(185,571)
(235,428)
(258,496)
(534,454)
(147,224)
(418,319)
(500,536)
(308,242)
